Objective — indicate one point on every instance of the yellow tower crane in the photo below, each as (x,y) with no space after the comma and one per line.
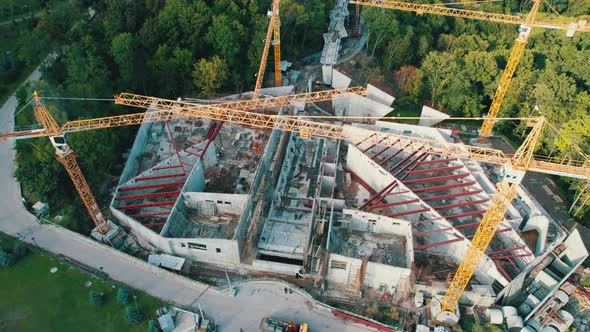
(273,36)
(66,157)
(239,112)
(517,50)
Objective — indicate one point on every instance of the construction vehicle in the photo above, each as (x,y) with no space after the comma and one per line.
(269,324)
(525,26)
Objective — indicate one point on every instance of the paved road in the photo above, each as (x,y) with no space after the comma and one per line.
(254,301)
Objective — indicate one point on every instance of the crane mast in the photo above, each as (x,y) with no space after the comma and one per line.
(506,79)
(67,158)
(273,36)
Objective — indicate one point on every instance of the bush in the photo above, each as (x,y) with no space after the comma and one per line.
(19,250)
(96,298)
(133,315)
(6,259)
(124,296)
(153,326)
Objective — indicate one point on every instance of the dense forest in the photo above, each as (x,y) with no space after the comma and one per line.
(162,48)
(201,48)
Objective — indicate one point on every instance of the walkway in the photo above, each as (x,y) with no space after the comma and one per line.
(254,301)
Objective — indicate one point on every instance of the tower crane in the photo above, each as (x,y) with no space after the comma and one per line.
(515,166)
(517,50)
(273,36)
(65,155)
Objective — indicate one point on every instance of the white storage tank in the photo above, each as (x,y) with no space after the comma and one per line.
(567,318)
(494,316)
(514,323)
(509,311)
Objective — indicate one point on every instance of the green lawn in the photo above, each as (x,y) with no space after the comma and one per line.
(33,299)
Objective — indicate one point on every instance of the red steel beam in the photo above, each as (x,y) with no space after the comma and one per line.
(155,224)
(360,181)
(506,250)
(514,265)
(363,141)
(513,256)
(151,214)
(211,137)
(174,144)
(422,157)
(398,192)
(383,150)
(143,205)
(454,216)
(443,187)
(399,163)
(372,146)
(166,167)
(427,162)
(389,187)
(411,163)
(150,195)
(434,170)
(152,186)
(436,244)
(158,177)
(501,269)
(394,154)
(469,203)
(399,214)
(438,178)
(441,197)
(466,214)
(440,230)
(394,204)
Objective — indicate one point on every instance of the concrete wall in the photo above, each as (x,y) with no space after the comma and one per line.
(274,267)
(213,251)
(132,165)
(225,203)
(355,105)
(384,225)
(379,95)
(390,277)
(339,80)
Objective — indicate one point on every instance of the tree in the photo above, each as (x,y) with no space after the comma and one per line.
(123,50)
(124,296)
(224,36)
(381,24)
(208,76)
(153,326)
(133,315)
(96,298)
(6,259)
(438,69)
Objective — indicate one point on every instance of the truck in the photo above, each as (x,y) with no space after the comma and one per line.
(269,324)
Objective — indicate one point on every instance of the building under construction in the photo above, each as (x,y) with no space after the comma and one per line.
(357,220)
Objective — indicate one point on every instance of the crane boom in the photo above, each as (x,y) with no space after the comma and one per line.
(420,8)
(164,110)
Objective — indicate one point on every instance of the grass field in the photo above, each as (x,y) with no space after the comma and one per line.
(33,299)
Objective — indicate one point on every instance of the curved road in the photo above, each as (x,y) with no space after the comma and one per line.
(254,301)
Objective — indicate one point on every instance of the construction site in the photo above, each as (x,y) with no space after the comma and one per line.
(297,182)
